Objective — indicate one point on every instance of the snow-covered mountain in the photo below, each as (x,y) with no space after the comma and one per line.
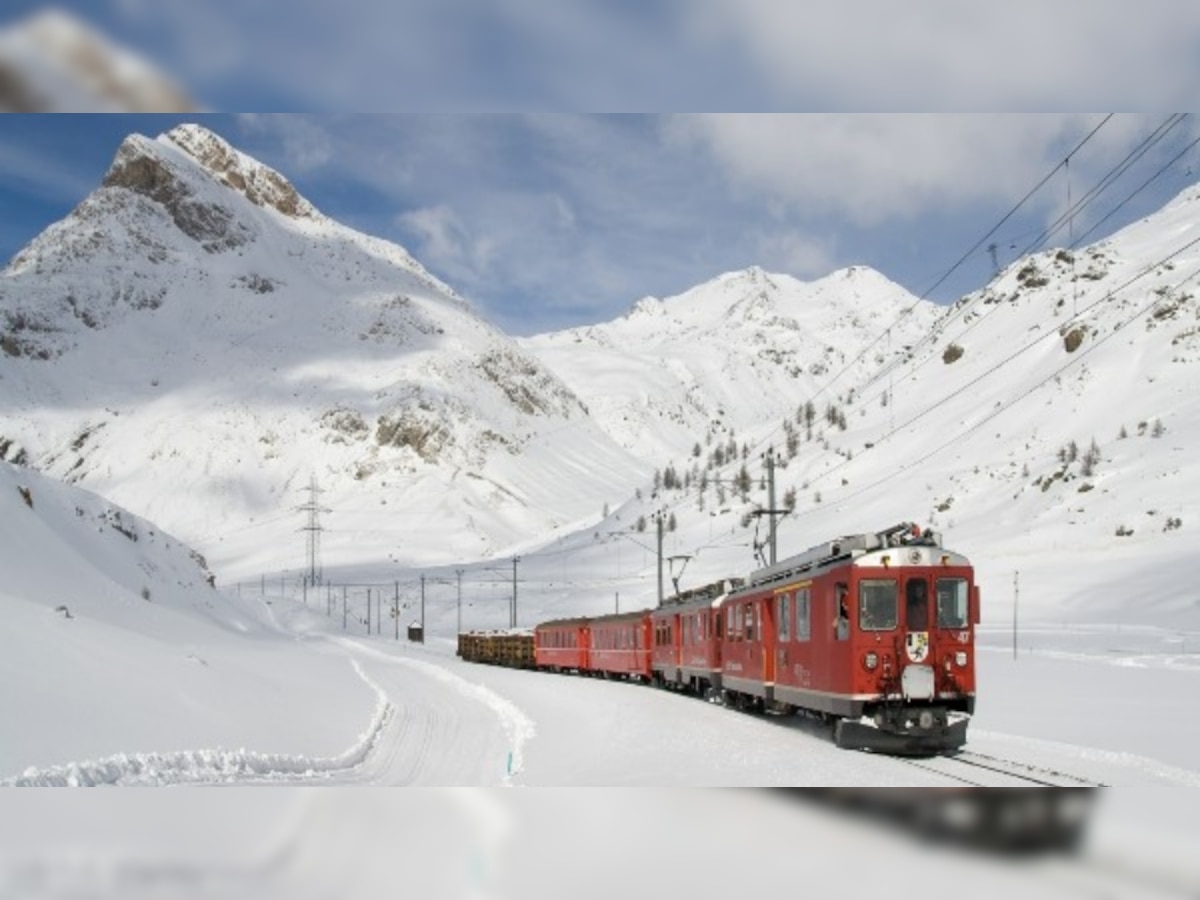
(197,342)
(732,355)
(1048,424)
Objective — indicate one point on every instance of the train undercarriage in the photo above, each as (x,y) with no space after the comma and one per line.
(904,731)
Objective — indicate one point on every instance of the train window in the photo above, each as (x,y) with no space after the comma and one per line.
(952,605)
(783,615)
(877,604)
(803,615)
(841,611)
(738,619)
(916,604)
(720,625)
(749,621)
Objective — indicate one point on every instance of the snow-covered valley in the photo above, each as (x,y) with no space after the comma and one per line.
(200,370)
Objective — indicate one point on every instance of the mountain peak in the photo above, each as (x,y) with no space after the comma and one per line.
(259,183)
(147,167)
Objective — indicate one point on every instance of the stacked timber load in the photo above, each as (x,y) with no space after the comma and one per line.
(500,648)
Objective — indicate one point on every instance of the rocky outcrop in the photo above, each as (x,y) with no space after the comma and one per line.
(139,168)
(259,184)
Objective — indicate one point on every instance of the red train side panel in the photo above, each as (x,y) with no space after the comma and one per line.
(620,645)
(563,645)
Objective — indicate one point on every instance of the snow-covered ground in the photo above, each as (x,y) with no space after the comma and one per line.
(122,663)
(488,844)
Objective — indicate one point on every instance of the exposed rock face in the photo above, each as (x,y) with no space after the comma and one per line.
(142,166)
(139,168)
(260,184)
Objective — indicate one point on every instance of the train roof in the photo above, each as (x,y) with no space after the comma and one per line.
(709,595)
(915,546)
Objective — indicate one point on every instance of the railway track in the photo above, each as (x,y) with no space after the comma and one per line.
(981,770)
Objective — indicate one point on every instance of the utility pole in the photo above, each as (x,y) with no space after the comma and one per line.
(396,610)
(368,610)
(513,618)
(313,528)
(422,608)
(459,573)
(658,519)
(771,512)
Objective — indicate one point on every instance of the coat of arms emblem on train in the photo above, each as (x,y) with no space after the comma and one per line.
(917,644)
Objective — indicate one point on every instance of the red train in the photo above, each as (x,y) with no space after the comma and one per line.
(872,632)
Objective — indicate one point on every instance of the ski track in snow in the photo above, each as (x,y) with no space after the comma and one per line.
(211,766)
(221,766)
(518,727)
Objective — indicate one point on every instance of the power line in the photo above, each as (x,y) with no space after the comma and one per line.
(1105,182)
(1010,358)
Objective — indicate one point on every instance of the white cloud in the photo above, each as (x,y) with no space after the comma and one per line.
(1018,55)
(306,144)
(445,240)
(869,169)
(796,253)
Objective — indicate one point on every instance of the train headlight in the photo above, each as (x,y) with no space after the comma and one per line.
(925,720)
(960,659)
(871,660)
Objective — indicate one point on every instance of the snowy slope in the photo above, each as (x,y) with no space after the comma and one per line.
(197,342)
(114,642)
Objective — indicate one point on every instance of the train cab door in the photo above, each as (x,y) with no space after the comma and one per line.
(834,615)
(917,679)
(769,638)
(677,625)
(783,633)
(752,639)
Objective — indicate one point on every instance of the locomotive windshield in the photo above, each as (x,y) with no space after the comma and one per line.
(952,608)
(877,604)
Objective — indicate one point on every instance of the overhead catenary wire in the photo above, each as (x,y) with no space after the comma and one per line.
(996,411)
(967,255)
(1145,144)
(969,303)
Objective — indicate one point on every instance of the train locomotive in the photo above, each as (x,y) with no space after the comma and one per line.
(873,633)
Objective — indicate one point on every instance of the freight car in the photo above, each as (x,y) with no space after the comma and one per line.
(512,648)
(873,633)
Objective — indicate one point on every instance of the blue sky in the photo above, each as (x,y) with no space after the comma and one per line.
(547,221)
(468,153)
(656,55)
